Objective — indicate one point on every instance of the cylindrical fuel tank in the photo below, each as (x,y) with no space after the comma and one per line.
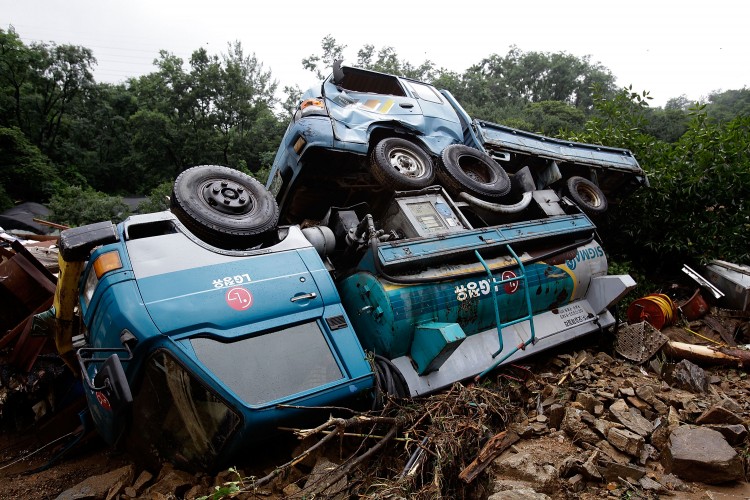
(385,314)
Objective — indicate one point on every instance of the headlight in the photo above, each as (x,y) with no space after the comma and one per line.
(310,107)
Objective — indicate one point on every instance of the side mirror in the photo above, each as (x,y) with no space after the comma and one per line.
(111,383)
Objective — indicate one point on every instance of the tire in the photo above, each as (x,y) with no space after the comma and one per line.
(223,206)
(587,195)
(401,165)
(467,169)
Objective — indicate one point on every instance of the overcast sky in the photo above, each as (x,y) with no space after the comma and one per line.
(669,48)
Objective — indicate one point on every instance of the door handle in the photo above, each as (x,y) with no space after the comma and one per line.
(304,296)
(406,105)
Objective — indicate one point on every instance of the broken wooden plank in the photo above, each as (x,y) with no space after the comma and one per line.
(704,354)
(717,327)
(494,447)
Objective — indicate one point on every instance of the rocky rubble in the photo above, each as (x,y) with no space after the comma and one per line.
(591,426)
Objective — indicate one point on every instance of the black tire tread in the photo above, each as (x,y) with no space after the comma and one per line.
(385,175)
(455,180)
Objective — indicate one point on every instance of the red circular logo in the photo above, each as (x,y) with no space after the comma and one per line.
(239,298)
(511,286)
(103,400)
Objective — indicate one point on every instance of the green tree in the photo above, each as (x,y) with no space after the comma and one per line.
(724,106)
(321,65)
(158,199)
(77,206)
(218,112)
(553,117)
(668,124)
(499,87)
(696,207)
(25,172)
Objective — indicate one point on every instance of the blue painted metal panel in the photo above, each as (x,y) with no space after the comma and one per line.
(405,251)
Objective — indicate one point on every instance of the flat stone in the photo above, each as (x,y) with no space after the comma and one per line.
(603,426)
(638,403)
(525,466)
(702,454)
(612,452)
(588,401)
(590,470)
(649,484)
(98,486)
(718,415)
(577,483)
(574,427)
(627,391)
(519,494)
(689,376)
(612,471)
(731,405)
(647,393)
(143,479)
(734,434)
(630,418)
(626,441)
(171,481)
(194,492)
(556,412)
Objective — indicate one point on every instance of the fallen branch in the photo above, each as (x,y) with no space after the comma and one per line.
(704,354)
(570,371)
(494,447)
(333,427)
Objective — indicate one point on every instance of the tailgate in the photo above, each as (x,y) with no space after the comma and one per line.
(616,169)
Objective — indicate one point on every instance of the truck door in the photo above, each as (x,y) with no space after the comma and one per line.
(363,97)
(432,104)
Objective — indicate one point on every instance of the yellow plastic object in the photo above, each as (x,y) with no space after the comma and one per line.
(66,298)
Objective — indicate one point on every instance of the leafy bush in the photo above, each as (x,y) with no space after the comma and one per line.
(25,172)
(158,199)
(697,207)
(77,206)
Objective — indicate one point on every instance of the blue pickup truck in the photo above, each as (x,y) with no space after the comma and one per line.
(398,248)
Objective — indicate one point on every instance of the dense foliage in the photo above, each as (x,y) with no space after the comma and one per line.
(66,140)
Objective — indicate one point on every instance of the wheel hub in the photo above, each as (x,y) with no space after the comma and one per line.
(226,197)
(406,165)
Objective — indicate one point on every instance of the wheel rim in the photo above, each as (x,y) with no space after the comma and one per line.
(476,170)
(226,196)
(407,164)
(590,196)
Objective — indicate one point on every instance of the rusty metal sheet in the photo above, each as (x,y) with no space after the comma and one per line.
(23,288)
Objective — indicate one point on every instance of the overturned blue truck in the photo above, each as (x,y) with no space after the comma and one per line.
(398,244)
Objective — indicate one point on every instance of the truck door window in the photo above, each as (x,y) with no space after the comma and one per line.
(422,91)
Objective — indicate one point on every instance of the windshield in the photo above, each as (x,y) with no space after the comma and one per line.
(175,417)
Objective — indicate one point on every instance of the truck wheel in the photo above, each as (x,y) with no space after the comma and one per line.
(467,169)
(223,206)
(587,195)
(401,165)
